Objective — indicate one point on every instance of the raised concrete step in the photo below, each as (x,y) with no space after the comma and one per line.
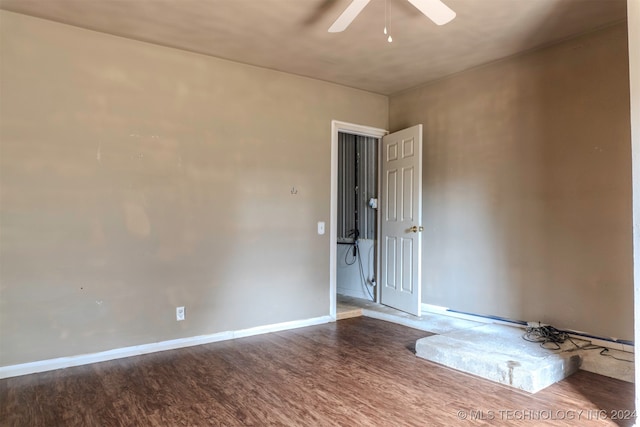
(498,353)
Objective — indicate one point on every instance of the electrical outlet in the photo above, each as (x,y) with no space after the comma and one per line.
(179,313)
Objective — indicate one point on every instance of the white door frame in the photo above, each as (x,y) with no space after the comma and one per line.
(336,127)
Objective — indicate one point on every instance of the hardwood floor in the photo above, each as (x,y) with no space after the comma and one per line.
(356,372)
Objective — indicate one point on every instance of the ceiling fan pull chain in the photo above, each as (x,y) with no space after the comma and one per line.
(385,17)
(386,21)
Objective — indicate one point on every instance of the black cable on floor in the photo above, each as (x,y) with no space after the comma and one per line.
(548,335)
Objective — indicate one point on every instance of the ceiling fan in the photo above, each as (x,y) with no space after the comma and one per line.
(435,10)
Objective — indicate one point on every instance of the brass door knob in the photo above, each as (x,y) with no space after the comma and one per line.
(415,229)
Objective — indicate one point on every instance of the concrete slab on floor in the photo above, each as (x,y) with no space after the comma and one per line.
(442,324)
(498,353)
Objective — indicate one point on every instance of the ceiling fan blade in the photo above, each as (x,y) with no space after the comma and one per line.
(348,16)
(435,10)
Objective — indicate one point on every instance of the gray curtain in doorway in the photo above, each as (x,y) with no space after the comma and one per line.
(357,184)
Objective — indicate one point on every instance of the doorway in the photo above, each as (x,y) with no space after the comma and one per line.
(357,215)
(355,139)
(391,274)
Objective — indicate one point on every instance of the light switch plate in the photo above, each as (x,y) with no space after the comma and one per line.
(320,227)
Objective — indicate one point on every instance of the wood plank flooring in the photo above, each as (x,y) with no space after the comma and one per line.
(356,372)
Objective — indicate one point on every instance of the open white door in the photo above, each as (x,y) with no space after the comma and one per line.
(401,220)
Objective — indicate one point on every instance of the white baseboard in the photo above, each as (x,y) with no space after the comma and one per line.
(436,309)
(136,350)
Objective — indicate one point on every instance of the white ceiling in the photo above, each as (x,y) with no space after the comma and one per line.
(291,35)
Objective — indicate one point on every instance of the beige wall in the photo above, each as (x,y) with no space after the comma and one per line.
(137,178)
(527,186)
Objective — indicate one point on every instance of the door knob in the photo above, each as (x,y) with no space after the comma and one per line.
(415,229)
